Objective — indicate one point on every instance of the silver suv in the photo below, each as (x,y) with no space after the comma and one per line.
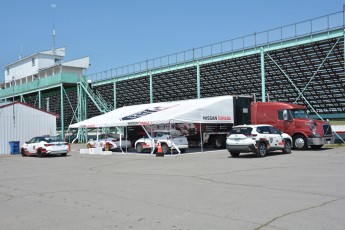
(259,139)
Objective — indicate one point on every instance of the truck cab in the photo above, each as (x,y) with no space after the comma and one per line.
(294,120)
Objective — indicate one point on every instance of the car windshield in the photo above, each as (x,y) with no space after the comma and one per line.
(53,139)
(160,134)
(299,113)
(173,133)
(241,130)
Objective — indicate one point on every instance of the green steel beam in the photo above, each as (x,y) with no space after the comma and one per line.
(70,104)
(151,88)
(92,98)
(198,79)
(62,113)
(245,52)
(39,99)
(263,84)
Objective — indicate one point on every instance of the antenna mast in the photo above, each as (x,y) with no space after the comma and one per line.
(53,5)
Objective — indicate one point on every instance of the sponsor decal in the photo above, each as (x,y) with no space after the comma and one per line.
(146,112)
(216,118)
(139,123)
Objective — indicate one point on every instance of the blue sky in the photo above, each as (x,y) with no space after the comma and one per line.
(115,33)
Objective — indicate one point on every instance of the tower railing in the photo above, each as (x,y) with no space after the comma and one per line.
(102,105)
(317,25)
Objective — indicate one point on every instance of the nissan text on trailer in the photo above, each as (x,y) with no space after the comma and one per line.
(294,120)
(215,134)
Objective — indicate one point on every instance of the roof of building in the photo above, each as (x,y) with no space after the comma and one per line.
(59,52)
(31,106)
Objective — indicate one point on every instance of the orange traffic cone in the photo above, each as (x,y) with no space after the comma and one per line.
(159,150)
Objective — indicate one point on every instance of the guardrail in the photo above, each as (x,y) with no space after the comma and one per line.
(37,84)
(316,25)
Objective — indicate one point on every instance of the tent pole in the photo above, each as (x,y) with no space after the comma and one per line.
(121,142)
(171,151)
(201,141)
(152,141)
(127,139)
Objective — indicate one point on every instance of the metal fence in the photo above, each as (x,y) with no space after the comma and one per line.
(309,27)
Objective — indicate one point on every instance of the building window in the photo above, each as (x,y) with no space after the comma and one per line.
(33,61)
(8,71)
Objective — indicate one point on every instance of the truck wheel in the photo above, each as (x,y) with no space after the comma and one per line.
(316,146)
(287,147)
(234,154)
(139,148)
(219,142)
(300,142)
(165,148)
(262,149)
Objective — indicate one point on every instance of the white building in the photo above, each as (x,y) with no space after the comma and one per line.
(32,64)
(21,122)
(42,64)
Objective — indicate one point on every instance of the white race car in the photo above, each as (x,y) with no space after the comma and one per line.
(109,142)
(44,145)
(168,139)
(259,139)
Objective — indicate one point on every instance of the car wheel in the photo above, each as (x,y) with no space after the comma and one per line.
(64,154)
(22,151)
(39,152)
(316,146)
(139,148)
(262,149)
(183,150)
(234,154)
(287,147)
(219,142)
(300,142)
(165,148)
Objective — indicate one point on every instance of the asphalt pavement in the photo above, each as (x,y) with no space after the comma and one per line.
(209,190)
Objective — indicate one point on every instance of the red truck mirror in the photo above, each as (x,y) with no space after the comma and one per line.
(285,115)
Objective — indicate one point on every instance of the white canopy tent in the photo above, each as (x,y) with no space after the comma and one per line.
(204,110)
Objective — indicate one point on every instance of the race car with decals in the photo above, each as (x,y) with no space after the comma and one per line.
(259,139)
(45,145)
(168,139)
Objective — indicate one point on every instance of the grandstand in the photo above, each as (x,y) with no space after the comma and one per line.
(302,63)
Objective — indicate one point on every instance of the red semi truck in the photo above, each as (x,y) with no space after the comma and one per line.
(290,118)
(294,120)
